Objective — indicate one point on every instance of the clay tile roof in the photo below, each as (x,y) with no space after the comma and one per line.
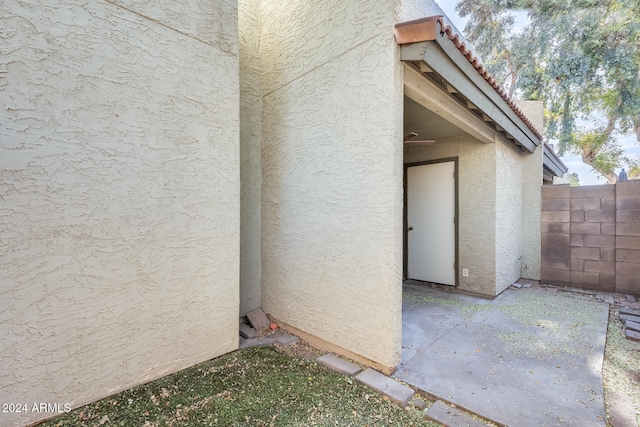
(475,62)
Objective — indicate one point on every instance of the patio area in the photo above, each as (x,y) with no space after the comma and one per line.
(525,358)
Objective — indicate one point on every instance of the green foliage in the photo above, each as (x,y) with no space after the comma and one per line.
(607,160)
(581,57)
(634,169)
(574,179)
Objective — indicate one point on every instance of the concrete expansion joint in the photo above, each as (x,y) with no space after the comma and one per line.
(402,394)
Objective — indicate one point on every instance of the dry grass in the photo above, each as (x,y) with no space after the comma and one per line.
(252,387)
(621,371)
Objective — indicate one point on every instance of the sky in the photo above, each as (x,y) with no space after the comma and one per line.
(585,172)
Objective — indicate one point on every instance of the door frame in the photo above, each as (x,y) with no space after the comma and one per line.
(405,222)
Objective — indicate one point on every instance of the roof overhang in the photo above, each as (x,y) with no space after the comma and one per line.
(552,164)
(435,58)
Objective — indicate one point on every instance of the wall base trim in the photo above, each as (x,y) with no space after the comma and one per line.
(323,345)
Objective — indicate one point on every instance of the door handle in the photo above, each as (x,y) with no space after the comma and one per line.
(410,229)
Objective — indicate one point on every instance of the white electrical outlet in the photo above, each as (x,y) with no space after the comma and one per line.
(465,272)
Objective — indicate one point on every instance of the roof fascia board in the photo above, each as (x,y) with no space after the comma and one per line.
(466,80)
(465,66)
(417,31)
(553,162)
(431,96)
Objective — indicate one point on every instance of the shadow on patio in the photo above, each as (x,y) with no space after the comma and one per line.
(523,359)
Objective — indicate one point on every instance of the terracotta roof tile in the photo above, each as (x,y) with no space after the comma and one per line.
(477,64)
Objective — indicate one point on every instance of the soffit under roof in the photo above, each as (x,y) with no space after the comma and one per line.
(430,47)
(433,49)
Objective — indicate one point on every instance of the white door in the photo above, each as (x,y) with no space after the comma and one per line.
(431,234)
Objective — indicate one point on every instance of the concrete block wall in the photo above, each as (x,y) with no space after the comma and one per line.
(628,237)
(591,236)
(593,240)
(556,234)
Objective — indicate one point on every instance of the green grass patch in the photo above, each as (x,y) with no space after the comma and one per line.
(253,387)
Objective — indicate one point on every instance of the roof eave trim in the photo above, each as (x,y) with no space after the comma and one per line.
(433,29)
(419,30)
(552,162)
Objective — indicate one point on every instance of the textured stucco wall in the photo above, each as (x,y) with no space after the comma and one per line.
(509,215)
(332,173)
(416,9)
(119,183)
(532,215)
(476,204)
(532,198)
(249,29)
(409,10)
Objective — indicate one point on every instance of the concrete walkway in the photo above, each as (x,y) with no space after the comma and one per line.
(524,359)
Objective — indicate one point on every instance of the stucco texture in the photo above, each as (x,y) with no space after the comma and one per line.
(497,187)
(476,206)
(509,215)
(249,29)
(119,207)
(332,173)
(408,10)
(532,198)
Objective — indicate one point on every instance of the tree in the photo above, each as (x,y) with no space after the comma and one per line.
(634,169)
(580,57)
(574,179)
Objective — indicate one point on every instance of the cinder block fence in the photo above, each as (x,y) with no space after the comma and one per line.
(591,236)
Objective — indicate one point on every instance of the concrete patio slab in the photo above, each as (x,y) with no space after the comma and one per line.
(525,358)
(445,414)
(337,364)
(396,392)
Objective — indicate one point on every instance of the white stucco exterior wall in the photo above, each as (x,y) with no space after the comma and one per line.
(332,173)
(119,176)
(408,10)
(249,29)
(493,187)
(532,215)
(416,9)
(509,214)
(532,198)
(476,205)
